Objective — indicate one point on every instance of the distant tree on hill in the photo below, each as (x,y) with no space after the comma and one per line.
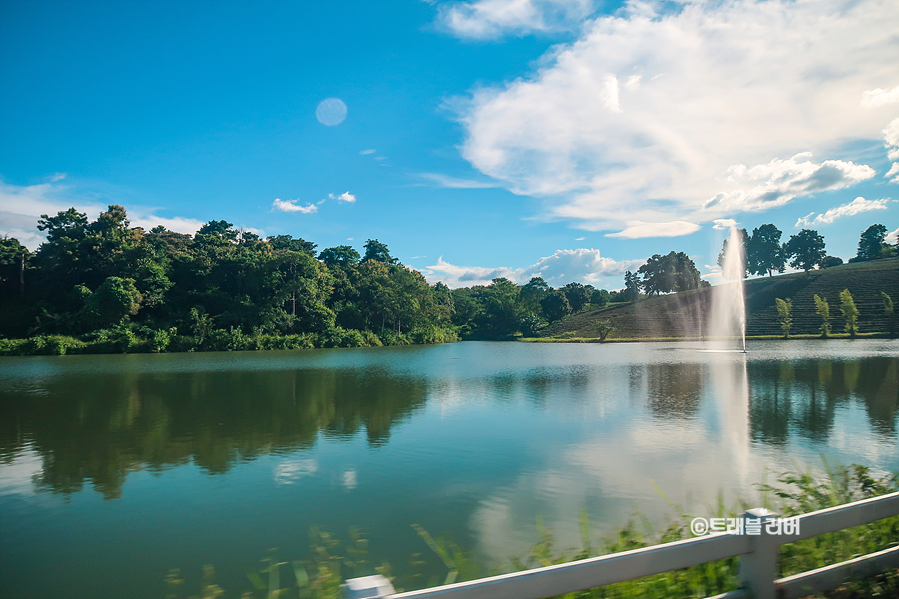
(631,291)
(831,261)
(745,236)
(806,248)
(672,272)
(600,297)
(822,309)
(850,312)
(288,243)
(890,312)
(555,306)
(764,253)
(378,252)
(871,244)
(785,315)
(577,295)
(342,254)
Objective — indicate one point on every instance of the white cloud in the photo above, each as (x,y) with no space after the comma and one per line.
(774,184)
(292,206)
(483,19)
(892,238)
(346,197)
(366,152)
(856,206)
(891,141)
(454,183)
(744,81)
(724,224)
(22,205)
(879,97)
(637,229)
(563,266)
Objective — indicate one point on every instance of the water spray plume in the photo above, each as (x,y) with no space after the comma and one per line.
(728,321)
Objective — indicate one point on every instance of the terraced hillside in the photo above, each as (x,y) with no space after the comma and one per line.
(685,314)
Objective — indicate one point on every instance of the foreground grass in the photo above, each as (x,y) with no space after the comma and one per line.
(795,493)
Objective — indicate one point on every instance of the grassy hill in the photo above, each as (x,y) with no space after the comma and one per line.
(685,314)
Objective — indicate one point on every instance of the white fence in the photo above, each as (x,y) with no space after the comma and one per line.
(757,553)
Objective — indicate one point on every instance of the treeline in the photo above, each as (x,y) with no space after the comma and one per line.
(104,286)
(765,254)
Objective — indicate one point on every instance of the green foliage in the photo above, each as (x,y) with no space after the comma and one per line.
(556,306)
(110,304)
(764,254)
(890,312)
(603,329)
(871,244)
(850,312)
(785,315)
(806,249)
(670,273)
(822,309)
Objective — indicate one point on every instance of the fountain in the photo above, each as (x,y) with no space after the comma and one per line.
(728,321)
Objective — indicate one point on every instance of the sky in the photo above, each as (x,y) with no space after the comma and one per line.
(569,139)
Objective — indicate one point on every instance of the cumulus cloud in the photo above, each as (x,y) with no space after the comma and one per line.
(856,206)
(346,197)
(366,152)
(891,141)
(483,19)
(774,184)
(879,97)
(721,85)
(562,267)
(637,229)
(892,238)
(22,205)
(292,206)
(724,224)
(454,183)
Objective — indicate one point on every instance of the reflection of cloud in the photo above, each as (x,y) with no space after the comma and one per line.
(290,471)
(17,476)
(349,479)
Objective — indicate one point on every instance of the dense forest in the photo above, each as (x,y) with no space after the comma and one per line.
(104,286)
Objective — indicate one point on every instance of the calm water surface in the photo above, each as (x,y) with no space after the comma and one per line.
(115,469)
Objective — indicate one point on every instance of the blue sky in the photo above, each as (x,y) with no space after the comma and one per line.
(568,138)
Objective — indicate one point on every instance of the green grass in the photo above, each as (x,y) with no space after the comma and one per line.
(334,560)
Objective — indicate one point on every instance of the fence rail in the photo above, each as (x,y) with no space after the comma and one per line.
(757,553)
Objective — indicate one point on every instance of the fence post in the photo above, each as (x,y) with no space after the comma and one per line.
(758,569)
(367,587)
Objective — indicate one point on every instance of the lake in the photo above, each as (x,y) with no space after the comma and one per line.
(116,469)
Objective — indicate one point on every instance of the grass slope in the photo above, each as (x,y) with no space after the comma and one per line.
(680,315)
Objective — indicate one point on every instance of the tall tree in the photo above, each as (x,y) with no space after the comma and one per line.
(871,244)
(745,237)
(785,315)
(822,309)
(631,286)
(555,306)
(377,251)
(806,249)
(672,272)
(577,295)
(764,251)
(343,255)
(850,312)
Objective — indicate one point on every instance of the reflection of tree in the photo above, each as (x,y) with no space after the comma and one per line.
(674,390)
(101,427)
(804,398)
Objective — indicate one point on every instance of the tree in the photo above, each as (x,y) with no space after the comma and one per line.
(600,297)
(831,261)
(890,312)
(850,312)
(603,329)
(785,315)
(555,306)
(219,228)
(871,243)
(670,273)
(764,252)
(531,293)
(14,258)
(112,301)
(577,295)
(745,238)
(287,242)
(631,286)
(822,309)
(377,251)
(806,248)
(343,255)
